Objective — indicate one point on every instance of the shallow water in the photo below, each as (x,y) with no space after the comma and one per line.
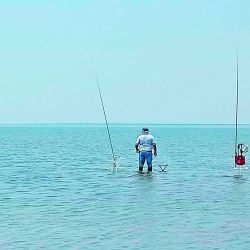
(56,191)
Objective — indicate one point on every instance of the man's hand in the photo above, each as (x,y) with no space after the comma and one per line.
(137,151)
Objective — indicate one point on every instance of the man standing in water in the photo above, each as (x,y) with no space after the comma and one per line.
(144,145)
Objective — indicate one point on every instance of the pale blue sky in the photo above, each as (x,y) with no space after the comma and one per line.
(157,61)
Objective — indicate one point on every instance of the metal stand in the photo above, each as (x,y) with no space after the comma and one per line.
(240,159)
(163,167)
(114,166)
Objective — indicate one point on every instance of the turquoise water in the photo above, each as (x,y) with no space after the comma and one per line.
(56,191)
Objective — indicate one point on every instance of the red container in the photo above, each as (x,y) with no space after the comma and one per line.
(240,160)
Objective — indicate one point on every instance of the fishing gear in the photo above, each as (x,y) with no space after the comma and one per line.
(163,167)
(240,149)
(107,126)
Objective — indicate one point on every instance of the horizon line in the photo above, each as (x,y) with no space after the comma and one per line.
(117,123)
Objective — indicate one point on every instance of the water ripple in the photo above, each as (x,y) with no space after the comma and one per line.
(56,192)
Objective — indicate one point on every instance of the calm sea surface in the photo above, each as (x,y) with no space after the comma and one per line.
(56,190)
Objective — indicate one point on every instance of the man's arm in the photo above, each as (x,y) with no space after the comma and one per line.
(155,149)
(137,145)
(137,148)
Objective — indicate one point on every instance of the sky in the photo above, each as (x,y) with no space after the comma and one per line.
(161,61)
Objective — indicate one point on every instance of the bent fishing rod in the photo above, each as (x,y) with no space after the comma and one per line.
(107,126)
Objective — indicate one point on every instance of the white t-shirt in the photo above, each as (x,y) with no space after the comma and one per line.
(145,142)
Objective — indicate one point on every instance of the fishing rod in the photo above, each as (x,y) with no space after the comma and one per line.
(237,107)
(107,126)
(240,149)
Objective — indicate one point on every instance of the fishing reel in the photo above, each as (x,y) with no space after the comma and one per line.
(240,158)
